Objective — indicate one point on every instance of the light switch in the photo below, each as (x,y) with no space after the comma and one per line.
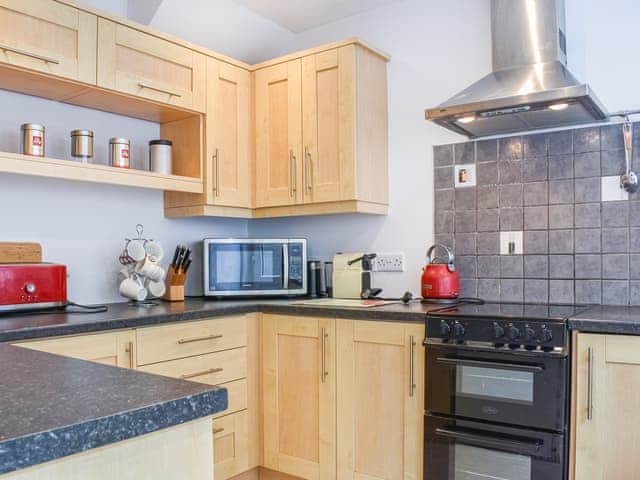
(465,175)
(611,189)
(511,243)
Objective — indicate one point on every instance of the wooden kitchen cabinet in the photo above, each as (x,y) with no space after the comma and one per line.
(605,418)
(299,396)
(113,348)
(143,65)
(48,37)
(380,400)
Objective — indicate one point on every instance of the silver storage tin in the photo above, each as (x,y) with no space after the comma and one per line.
(32,139)
(119,151)
(160,156)
(82,145)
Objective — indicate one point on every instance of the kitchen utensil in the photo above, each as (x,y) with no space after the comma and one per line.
(29,286)
(119,152)
(160,156)
(176,274)
(440,280)
(32,139)
(82,145)
(20,252)
(628,181)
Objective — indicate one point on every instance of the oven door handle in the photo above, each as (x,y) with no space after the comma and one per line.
(489,364)
(531,447)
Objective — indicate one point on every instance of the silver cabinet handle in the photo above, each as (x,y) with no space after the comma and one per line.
(412,366)
(307,170)
(129,350)
(324,374)
(216,169)
(158,89)
(182,341)
(203,372)
(294,173)
(26,53)
(590,384)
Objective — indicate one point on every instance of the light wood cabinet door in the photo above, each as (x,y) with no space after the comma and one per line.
(49,37)
(299,381)
(606,395)
(328,114)
(140,64)
(113,348)
(228,135)
(278,134)
(231,445)
(380,400)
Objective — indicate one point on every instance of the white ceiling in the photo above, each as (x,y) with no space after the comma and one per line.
(301,15)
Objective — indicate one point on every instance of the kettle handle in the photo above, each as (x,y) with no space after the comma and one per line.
(450,257)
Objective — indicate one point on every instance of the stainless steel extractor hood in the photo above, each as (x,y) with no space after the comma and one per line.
(530,86)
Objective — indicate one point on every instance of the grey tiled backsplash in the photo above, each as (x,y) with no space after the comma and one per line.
(576,248)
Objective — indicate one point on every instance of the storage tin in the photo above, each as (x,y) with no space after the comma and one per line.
(33,139)
(119,152)
(160,160)
(82,145)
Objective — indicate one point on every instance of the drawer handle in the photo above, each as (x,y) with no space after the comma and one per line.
(200,374)
(158,89)
(218,430)
(182,341)
(26,53)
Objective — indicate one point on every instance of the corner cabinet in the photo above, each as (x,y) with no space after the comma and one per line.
(605,418)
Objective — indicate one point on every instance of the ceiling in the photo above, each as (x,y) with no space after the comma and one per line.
(301,15)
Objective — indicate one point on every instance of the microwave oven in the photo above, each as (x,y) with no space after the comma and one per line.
(243,267)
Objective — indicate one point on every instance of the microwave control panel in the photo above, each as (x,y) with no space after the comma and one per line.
(296,265)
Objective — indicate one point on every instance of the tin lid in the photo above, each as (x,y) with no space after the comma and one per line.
(161,141)
(32,126)
(81,133)
(125,141)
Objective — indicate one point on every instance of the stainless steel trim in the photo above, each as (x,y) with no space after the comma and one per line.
(412,374)
(307,170)
(26,53)
(490,364)
(201,373)
(30,306)
(216,172)
(529,448)
(293,172)
(158,89)
(490,347)
(590,384)
(215,336)
(324,374)
(285,266)
(130,348)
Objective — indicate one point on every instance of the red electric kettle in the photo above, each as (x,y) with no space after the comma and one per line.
(440,280)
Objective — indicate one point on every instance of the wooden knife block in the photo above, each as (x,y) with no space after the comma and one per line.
(175,286)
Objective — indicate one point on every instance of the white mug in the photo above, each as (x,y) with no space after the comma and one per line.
(131,288)
(154,250)
(150,270)
(135,249)
(156,289)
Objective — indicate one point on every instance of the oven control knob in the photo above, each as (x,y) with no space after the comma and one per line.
(512,332)
(445,329)
(30,288)
(529,334)
(546,335)
(498,331)
(458,330)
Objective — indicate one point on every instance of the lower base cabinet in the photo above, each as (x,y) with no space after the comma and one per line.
(231,445)
(605,414)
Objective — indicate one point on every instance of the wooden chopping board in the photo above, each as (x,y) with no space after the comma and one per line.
(20,252)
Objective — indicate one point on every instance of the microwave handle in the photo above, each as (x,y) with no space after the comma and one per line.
(488,364)
(529,447)
(285,267)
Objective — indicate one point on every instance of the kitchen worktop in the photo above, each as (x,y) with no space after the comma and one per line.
(54,406)
(607,319)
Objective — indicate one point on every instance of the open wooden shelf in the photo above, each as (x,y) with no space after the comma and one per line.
(87,172)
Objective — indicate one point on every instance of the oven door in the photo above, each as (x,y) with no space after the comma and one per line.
(524,389)
(464,450)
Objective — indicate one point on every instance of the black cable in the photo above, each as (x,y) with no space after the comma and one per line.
(87,308)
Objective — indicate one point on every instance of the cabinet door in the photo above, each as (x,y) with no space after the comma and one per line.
(299,396)
(228,135)
(140,64)
(49,37)
(328,99)
(230,445)
(605,402)
(115,349)
(278,134)
(380,400)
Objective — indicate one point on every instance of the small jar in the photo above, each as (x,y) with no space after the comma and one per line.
(32,139)
(160,156)
(119,149)
(82,145)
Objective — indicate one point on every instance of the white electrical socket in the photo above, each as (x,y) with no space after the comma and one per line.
(389,262)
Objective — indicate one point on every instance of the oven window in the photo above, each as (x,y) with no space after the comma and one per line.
(245,267)
(497,383)
(473,463)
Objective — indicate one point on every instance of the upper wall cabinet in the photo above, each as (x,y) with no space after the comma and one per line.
(48,37)
(143,65)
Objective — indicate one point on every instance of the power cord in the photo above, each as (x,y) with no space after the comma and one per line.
(85,309)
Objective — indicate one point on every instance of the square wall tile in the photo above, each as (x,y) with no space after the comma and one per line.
(488,243)
(488,220)
(465,244)
(511,195)
(586,140)
(587,190)
(489,266)
(469,287)
(511,218)
(634,214)
(560,216)
(615,266)
(487,173)
(615,214)
(536,242)
(444,221)
(511,290)
(588,266)
(560,142)
(611,137)
(536,218)
(489,289)
(634,293)
(612,162)
(536,290)
(445,239)
(443,177)
(560,167)
(561,241)
(535,169)
(465,221)
(587,215)
(615,240)
(442,155)
(634,267)
(487,151)
(536,266)
(535,145)
(444,199)
(465,199)
(510,148)
(586,164)
(589,292)
(511,266)
(510,171)
(536,193)
(561,266)
(464,152)
(615,292)
(560,191)
(587,240)
(467,266)
(488,197)
(561,291)
(634,240)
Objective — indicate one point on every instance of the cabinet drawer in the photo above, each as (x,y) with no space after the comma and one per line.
(181,340)
(237,393)
(212,368)
(230,445)
(140,64)
(48,37)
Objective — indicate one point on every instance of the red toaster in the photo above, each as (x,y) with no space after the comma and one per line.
(32,286)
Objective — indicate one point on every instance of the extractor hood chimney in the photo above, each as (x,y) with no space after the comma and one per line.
(530,87)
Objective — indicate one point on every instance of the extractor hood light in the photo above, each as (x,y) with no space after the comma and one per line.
(556,107)
(467,119)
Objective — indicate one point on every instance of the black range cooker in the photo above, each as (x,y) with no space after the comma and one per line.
(497,383)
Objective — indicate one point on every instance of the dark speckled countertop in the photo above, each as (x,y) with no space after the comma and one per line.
(53,406)
(607,319)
